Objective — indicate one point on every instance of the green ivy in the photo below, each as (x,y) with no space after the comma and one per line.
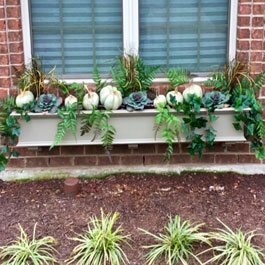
(10,128)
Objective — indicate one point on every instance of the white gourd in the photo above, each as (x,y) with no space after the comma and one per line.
(69,101)
(177,95)
(160,101)
(192,90)
(110,97)
(90,100)
(24,98)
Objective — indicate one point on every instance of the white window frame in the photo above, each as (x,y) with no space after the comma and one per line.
(130,34)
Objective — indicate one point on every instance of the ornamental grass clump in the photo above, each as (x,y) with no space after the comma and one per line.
(25,251)
(176,243)
(101,243)
(234,248)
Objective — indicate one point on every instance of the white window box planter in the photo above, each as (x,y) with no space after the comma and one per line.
(131,128)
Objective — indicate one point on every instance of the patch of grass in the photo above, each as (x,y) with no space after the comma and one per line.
(101,243)
(25,251)
(235,248)
(176,243)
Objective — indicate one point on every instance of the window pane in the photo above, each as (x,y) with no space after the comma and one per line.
(74,34)
(189,33)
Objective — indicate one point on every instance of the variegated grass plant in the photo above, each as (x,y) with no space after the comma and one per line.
(26,251)
(235,248)
(176,243)
(101,243)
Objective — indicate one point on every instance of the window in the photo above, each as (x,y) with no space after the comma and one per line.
(74,34)
(190,33)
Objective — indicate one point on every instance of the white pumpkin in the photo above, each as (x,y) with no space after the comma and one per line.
(177,95)
(69,101)
(110,97)
(192,90)
(160,101)
(90,100)
(24,98)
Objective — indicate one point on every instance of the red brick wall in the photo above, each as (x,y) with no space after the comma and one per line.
(11,44)
(250,47)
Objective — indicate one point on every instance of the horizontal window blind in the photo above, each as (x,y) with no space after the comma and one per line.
(189,33)
(76,34)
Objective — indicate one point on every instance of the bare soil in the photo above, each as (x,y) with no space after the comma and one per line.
(142,200)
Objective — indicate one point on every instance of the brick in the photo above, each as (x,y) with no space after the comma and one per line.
(256,57)
(257,34)
(218,147)
(145,149)
(72,150)
(15,36)
(2,25)
(244,9)
(256,67)
(238,148)
(3,49)
(161,148)
(4,70)
(45,151)
(13,2)
(243,21)
(13,11)
(94,149)
(251,158)
(85,161)
(1,2)
(2,36)
(14,24)
(256,45)
(180,159)
(4,82)
(17,58)
(154,160)
(2,12)
(226,159)
(3,60)
(24,151)
(243,33)
(243,1)
(242,56)
(16,163)
(3,93)
(121,149)
(243,45)
(258,21)
(16,47)
(205,159)
(62,161)
(259,9)
(104,160)
(37,162)
(132,160)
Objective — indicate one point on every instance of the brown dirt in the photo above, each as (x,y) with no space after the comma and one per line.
(142,200)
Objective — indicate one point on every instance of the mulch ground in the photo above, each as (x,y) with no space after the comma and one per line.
(142,200)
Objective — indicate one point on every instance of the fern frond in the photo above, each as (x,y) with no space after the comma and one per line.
(177,77)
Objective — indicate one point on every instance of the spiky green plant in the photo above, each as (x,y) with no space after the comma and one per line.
(101,243)
(176,243)
(236,248)
(25,251)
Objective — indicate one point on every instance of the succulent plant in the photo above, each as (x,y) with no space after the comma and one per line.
(215,99)
(47,102)
(137,101)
